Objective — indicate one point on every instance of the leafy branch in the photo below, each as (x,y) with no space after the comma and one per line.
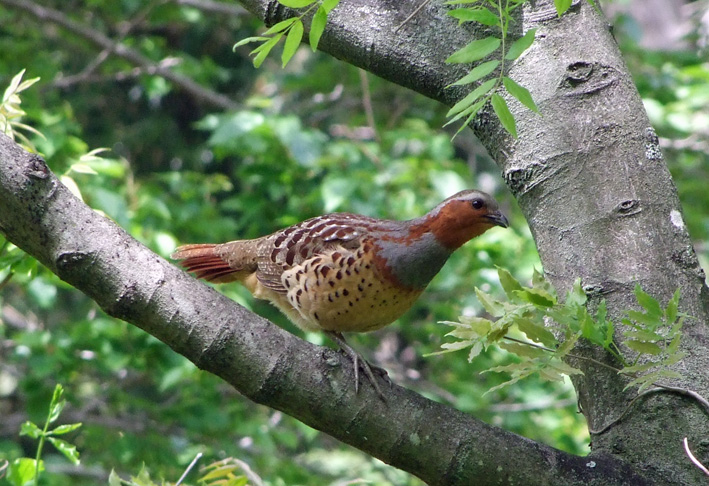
(11,113)
(500,16)
(541,331)
(292,30)
(25,470)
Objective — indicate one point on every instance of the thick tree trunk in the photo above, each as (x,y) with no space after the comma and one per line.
(591,181)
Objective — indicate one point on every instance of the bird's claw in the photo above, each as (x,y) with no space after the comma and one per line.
(359,362)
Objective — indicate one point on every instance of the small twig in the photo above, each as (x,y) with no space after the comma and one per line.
(123,51)
(413,14)
(696,462)
(189,468)
(570,355)
(6,280)
(367,103)
(215,7)
(660,388)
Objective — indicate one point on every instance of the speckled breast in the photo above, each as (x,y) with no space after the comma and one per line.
(343,290)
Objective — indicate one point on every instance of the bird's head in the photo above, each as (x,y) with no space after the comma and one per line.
(464,216)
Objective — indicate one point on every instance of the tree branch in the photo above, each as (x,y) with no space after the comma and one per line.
(121,50)
(267,364)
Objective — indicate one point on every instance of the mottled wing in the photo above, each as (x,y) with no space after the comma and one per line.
(295,245)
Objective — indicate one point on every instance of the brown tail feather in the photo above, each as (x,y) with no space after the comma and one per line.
(203,260)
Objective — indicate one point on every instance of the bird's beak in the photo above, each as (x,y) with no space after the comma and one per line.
(498,219)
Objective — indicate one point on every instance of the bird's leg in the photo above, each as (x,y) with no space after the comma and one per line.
(358,361)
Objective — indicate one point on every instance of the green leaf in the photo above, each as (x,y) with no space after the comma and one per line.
(643,335)
(566,346)
(479,325)
(474,51)
(22,471)
(649,321)
(478,72)
(671,309)
(317,27)
(591,329)
(564,368)
(12,87)
(328,5)
(562,6)
(520,45)
(470,112)
(472,97)
(647,302)
(480,15)
(82,169)
(475,350)
(56,410)
(457,345)
(281,26)
(492,306)
(296,3)
(295,35)
(503,113)
(114,479)
(263,50)
(509,284)
(576,296)
(536,296)
(30,429)
(520,93)
(644,347)
(524,350)
(249,39)
(537,332)
(69,450)
(65,429)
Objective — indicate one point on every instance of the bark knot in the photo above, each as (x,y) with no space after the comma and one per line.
(587,77)
(37,167)
(628,207)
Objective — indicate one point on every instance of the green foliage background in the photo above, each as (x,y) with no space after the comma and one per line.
(300,143)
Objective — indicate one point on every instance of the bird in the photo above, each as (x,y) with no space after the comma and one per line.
(343,272)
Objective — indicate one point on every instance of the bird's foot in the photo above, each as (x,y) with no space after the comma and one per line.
(359,362)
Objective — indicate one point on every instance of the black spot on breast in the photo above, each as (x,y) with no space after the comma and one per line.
(324,271)
(332,284)
(345,292)
(338,276)
(279,241)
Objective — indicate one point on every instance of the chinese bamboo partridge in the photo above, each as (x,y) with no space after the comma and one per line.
(344,272)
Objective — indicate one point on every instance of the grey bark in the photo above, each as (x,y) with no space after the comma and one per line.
(592,184)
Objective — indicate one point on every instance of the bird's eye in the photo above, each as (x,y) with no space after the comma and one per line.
(478,203)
